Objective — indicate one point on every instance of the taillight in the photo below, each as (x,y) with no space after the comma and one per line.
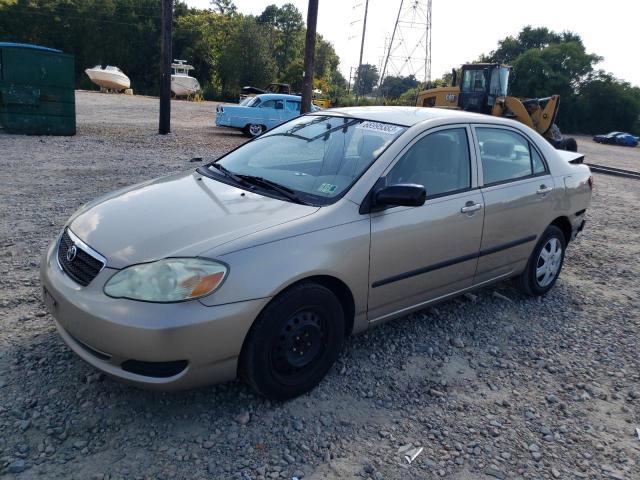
(590,182)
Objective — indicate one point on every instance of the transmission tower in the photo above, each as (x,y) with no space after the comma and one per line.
(409,50)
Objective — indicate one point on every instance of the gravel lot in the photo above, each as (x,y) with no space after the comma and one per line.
(492,385)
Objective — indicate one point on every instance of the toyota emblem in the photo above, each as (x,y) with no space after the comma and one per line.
(71,253)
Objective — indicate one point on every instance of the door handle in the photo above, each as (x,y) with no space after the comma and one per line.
(471,207)
(544,189)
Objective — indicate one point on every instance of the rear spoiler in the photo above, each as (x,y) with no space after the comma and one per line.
(572,157)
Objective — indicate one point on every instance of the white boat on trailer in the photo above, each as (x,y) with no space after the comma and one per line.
(181,83)
(108,77)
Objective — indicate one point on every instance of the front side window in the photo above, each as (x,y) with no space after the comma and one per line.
(499,82)
(507,155)
(473,81)
(317,156)
(439,161)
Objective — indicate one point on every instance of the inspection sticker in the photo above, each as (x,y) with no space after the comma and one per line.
(327,188)
(379,127)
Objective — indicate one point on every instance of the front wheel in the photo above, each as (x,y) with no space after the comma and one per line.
(545,263)
(294,342)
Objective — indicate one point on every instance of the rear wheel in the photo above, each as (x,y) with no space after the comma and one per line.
(545,263)
(294,342)
(254,130)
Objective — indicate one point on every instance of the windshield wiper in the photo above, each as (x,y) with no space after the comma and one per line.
(271,185)
(227,172)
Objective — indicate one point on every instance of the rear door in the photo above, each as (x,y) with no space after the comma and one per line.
(421,253)
(291,109)
(518,191)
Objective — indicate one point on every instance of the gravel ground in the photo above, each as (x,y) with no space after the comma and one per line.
(491,385)
(627,158)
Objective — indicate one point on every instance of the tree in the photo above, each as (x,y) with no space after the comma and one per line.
(366,78)
(558,68)
(606,103)
(225,7)
(393,87)
(286,32)
(326,58)
(199,38)
(545,63)
(237,67)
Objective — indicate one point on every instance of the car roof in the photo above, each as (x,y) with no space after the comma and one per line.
(278,96)
(409,116)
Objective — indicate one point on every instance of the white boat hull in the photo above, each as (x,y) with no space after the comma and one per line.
(182,85)
(108,79)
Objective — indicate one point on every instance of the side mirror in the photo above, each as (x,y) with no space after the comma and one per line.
(402,194)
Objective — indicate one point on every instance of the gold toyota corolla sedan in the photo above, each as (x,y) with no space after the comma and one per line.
(261,263)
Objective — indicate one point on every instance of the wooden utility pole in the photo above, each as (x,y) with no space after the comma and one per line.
(165,68)
(360,84)
(309,53)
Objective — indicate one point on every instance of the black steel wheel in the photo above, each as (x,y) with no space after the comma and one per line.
(294,342)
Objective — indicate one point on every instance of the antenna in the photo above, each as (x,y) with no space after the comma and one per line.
(409,51)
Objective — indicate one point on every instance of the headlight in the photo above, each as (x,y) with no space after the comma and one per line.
(168,280)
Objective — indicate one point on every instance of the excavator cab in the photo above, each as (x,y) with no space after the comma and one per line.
(481,84)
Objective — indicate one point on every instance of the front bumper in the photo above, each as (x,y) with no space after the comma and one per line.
(200,343)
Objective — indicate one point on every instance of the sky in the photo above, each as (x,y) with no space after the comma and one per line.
(464,29)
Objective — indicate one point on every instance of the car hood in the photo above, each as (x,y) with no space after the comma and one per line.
(179,215)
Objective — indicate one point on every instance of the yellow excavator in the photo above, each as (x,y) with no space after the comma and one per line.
(484,88)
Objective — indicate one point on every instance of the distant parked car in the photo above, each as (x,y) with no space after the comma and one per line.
(617,138)
(258,114)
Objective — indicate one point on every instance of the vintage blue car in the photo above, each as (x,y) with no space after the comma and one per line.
(258,114)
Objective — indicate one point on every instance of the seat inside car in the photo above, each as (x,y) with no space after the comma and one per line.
(436,163)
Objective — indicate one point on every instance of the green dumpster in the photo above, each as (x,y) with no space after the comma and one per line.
(37,94)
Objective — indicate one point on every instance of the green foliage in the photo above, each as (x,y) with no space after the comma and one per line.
(409,97)
(227,49)
(367,77)
(546,63)
(285,32)
(246,58)
(393,87)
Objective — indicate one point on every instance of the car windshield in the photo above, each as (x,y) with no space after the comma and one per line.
(318,157)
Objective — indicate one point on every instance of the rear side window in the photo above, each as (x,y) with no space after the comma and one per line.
(439,161)
(507,155)
(293,106)
(277,104)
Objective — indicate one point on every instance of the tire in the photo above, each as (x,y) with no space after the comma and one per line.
(254,130)
(269,361)
(541,273)
(569,144)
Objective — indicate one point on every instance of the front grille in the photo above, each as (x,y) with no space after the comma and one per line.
(83,267)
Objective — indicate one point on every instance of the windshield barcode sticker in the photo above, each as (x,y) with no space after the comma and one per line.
(380,127)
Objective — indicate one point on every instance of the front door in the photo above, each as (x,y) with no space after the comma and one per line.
(272,112)
(422,253)
(518,196)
